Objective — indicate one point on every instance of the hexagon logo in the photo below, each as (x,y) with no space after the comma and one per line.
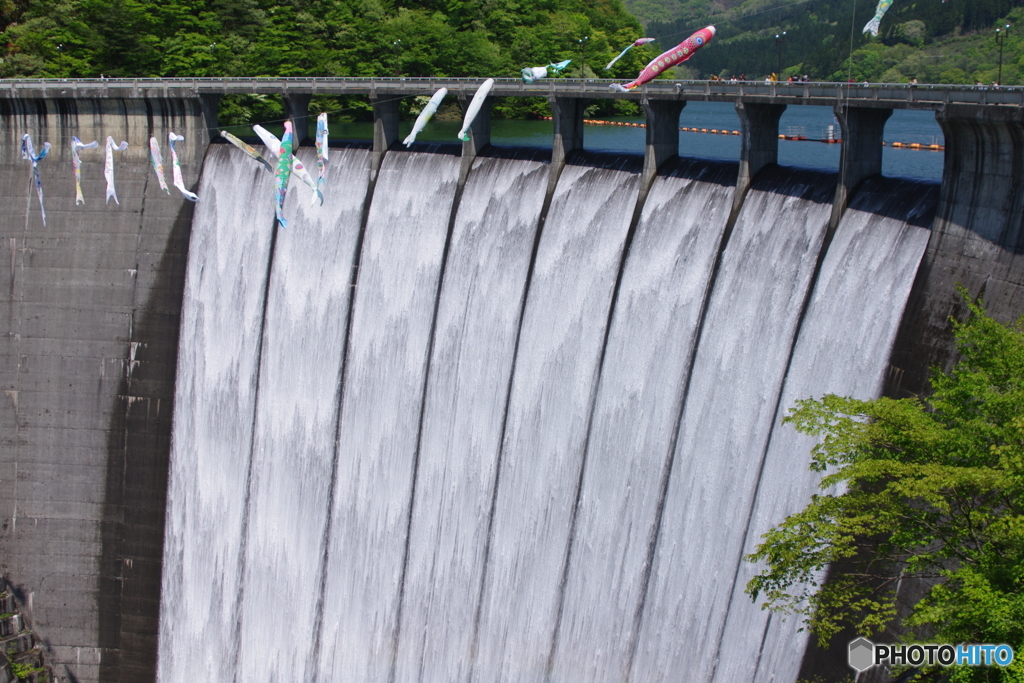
(861,656)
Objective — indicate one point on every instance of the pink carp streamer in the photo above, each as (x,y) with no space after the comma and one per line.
(108,167)
(284,171)
(76,162)
(636,43)
(156,159)
(666,60)
(176,168)
(28,153)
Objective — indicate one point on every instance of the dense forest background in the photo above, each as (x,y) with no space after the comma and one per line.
(933,41)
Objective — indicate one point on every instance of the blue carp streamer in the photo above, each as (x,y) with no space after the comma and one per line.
(178,181)
(28,153)
(76,162)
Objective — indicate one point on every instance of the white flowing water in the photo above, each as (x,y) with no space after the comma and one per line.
(506,469)
(397,287)
(477,321)
(296,419)
(556,370)
(215,397)
(727,416)
(853,315)
(650,345)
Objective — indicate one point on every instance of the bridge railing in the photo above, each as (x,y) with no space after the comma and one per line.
(899,96)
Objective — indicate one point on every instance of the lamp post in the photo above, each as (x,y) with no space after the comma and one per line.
(1000,37)
(397,46)
(780,38)
(583,55)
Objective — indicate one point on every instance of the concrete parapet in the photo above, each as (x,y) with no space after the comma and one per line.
(296,109)
(759,145)
(977,239)
(385,130)
(861,153)
(662,132)
(89,307)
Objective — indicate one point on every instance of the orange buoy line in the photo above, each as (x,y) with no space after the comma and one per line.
(782,136)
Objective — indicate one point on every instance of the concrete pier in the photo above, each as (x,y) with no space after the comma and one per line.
(567,116)
(759,145)
(861,153)
(662,130)
(296,110)
(385,130)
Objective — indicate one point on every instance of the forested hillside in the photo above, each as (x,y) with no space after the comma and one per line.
(933,41)
(83,38)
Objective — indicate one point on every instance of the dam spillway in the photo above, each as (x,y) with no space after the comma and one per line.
(548,354)
(510,450)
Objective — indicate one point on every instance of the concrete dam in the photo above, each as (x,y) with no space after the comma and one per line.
(485,414)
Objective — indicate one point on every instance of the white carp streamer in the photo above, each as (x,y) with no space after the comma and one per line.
(636,43)
(176,168)
(474,108)
(156,159)
(108,167)
(76,162)
(29,153)
(424,117)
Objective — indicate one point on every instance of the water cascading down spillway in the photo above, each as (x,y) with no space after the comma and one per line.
(480,434)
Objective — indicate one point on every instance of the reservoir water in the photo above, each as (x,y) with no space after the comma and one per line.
(904,126)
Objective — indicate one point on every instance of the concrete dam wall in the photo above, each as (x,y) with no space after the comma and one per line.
(414,428)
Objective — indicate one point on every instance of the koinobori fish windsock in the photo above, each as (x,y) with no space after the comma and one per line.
(76,162)
(636,43)
(876,21)
(179,182)
(273,145)
(156,159)
(322,151)
(474,108)
(108,167)
(666,60)
(535,73)
(28,153)
(424,117)
(284,172)
(248,149)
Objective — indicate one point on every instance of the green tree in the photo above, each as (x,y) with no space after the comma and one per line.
(927,489)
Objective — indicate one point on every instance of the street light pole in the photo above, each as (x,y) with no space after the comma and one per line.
(1000,38)
(583,55)
(780,38)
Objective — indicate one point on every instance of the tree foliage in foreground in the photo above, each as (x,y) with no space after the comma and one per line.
(915,489)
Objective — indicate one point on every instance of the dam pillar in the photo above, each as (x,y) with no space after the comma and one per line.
(861,153)
(567,116)
(977,240)
(662,134)
(385,129)
(296,110)
(479,133)
(759,145)
(209,105)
